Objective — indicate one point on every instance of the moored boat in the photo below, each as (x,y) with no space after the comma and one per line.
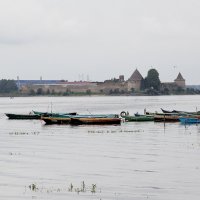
(22,116)
(141,118)
(180,112)
(56,120)
(167,117)
(53,114)
(136,117)
(82,119)
(95,121)
(167,111)
(189,120)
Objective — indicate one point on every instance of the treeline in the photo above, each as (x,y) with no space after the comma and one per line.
(8,86)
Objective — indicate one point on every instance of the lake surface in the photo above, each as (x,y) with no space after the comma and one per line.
(134,161)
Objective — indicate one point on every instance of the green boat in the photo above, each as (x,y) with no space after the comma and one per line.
(136,118)
(141,118)
(52,114)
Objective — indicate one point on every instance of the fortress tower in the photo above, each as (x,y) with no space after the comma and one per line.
(134,82)
(180,81)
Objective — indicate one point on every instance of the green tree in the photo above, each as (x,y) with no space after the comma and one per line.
(8,86)
(152,80)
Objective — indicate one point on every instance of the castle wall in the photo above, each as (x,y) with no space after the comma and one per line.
(98,88)
(136,85)
(77,88)
(110,87)
(180,83)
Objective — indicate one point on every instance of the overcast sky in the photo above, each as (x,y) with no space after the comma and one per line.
(70,39)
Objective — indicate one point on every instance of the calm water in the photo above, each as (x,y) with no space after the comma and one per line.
(133,161)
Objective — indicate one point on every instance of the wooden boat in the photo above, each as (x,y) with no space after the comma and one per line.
(95,121)
(167,111)
(189,120)
(167,117)
(82,119)
(141,118)
(180,112)
(22,116)
(138,118)
(56,120)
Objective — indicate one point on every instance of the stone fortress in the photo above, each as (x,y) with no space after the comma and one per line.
(113,86)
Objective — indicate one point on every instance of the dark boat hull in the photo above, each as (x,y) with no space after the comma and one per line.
(50,114)
(21,116)
(180,112)
(141,118)
(166,118)
(95,121)
(54,120)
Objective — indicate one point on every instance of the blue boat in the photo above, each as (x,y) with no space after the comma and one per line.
(189,120)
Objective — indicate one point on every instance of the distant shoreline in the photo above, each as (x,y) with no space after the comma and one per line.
(91,95)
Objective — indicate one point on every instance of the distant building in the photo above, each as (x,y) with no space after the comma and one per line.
(135,81)
(180,81)
(112,86)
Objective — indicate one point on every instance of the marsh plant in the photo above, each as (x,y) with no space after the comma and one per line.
(70,189)
(93,189)
(82,189)
(33,187)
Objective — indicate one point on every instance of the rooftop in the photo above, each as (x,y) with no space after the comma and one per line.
(136,76)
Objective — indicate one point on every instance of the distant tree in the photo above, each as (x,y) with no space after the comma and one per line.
(116,91)
(88,92)
(40,91)
(48,92)
(151,91)
(53,92)
(132,90)
(32,92)
(111,91)
(179,90)
(152,80)
(166,91)
(8,86)
(67,92)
